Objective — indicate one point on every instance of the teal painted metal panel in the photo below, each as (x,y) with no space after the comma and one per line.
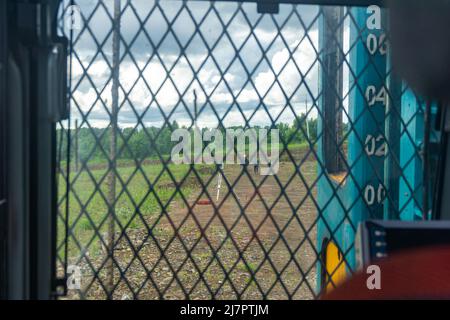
(384,143)
(367,107)
(410,195)
(362,195)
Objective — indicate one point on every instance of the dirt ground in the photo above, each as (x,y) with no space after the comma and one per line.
(258,243)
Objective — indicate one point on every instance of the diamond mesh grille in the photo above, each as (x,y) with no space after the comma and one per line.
(137,228)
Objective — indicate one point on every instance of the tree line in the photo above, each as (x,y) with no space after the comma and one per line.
(141,143)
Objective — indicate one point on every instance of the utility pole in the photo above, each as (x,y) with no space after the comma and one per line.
(306,119)
(76,146)
(113,143)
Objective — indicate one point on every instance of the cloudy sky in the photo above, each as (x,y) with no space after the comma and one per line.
(162,65)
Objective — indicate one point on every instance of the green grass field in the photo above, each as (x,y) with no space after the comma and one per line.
(88,203)
(143,222)
(137,204)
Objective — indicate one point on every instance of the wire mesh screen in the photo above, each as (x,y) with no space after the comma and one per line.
(312,83)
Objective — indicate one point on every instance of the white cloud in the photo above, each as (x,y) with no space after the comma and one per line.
(154,78)
(287,67)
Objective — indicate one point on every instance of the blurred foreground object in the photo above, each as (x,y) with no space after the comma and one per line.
(415,274)
(378,239)
(420,39)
